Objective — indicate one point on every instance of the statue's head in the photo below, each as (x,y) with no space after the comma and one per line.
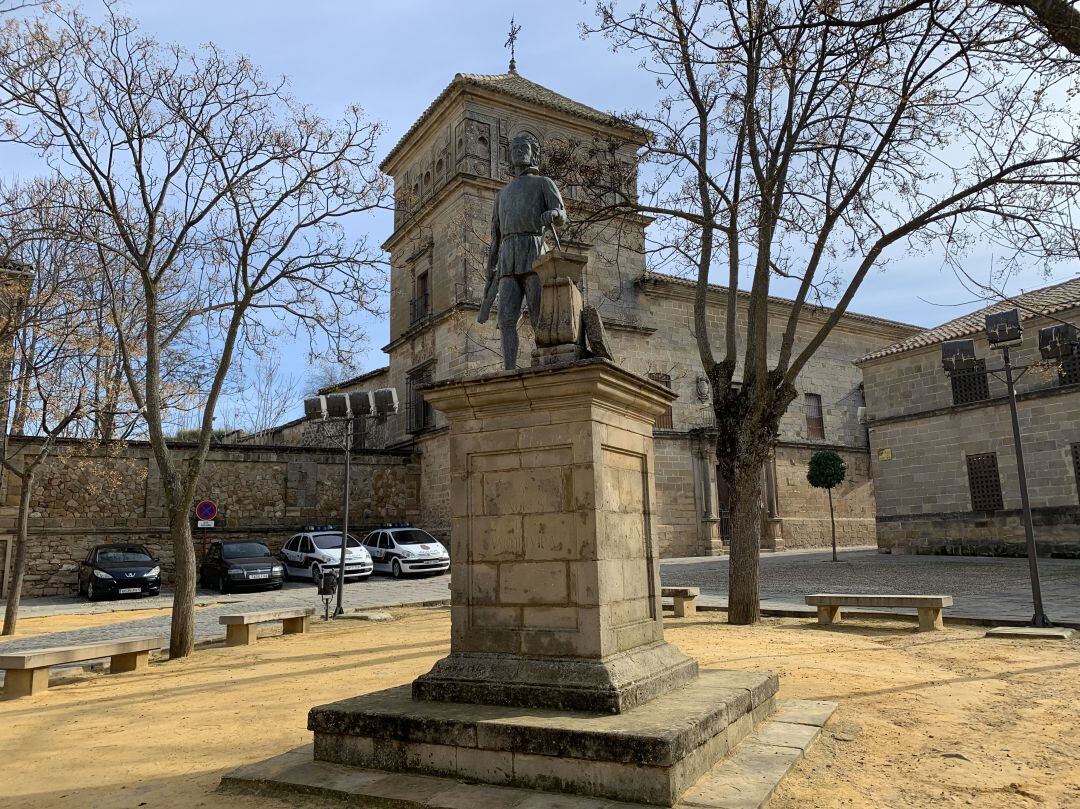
(524,152)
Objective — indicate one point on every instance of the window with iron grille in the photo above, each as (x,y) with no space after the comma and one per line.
(1076,465)
(815,417)
(419,415)
(1069,371)
(420,306)
(663,421)
(970,386)
(984,482)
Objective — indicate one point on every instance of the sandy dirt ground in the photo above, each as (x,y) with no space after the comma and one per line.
(925,720)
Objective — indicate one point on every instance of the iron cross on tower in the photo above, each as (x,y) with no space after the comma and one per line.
(511,41)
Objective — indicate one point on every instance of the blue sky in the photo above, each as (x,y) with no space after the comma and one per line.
(394,56)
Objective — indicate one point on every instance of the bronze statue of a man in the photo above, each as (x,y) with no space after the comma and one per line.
(524,206)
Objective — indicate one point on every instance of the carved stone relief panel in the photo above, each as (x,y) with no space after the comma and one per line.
(478,147)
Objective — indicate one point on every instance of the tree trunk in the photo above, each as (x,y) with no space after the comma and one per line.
(182,639)
(746,516)
(832,521)
(18,572)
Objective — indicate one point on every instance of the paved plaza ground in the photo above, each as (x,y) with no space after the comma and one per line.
(924,720)
(984,588)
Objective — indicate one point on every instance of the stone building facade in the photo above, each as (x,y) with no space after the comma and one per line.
(944,465)
(447,169)
(87,495)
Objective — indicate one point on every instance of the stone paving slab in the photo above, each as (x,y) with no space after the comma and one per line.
(1032,632)
(743,780)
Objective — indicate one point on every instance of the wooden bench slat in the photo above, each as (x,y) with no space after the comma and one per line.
(266,615)
(870,600)
(58,655)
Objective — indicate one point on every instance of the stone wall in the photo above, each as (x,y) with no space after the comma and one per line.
(434,452)
(677,513)
(805,510)
(920,442)
(86,497)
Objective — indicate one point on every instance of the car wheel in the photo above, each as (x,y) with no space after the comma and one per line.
(222,587)
(395,569)
(90,594)
(316,573)
(285,573)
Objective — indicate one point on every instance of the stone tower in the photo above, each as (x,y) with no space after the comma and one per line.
(447,169)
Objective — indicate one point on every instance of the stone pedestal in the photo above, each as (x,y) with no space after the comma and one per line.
(773,536)
(559,677)
(555,590)
(558,328)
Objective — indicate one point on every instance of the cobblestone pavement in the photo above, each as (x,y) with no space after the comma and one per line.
(377,591)
(988,588)
(981,587)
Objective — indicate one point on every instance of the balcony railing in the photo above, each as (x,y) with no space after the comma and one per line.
(419,308)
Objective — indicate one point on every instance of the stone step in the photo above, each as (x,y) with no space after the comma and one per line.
(651,753)
(745,779)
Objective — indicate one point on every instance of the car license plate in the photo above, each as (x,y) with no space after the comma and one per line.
(258,575)
(126,590)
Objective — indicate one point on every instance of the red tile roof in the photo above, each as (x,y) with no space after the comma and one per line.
(1046,301)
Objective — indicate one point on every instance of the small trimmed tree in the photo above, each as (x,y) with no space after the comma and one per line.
(826,471)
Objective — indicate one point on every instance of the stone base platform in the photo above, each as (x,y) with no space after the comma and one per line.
(618,684)
(745,779)
(649,754)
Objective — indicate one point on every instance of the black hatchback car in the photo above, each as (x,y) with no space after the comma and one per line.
(232,565)
(119,570)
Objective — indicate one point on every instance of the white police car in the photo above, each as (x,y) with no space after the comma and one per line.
(399,549)
(308,554)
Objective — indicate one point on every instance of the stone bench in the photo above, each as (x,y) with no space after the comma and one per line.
(683,598)
(929,607)
(27,673)
(241,628)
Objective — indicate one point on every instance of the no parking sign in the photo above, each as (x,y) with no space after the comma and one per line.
(206,511)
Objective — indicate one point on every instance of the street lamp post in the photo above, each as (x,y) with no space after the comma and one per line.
(1039,618)
(354,407)
(1004,331)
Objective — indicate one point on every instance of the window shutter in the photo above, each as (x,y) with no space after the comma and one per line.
(984,482)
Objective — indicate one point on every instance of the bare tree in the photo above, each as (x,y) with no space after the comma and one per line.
(51,328)
(219,200)
(263,396)
(1057,20)
(811,141)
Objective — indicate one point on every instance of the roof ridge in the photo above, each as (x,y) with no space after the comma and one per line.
(514,85)
(781,299)
(1042,299)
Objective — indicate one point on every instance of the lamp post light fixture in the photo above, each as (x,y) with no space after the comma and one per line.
(1004,331)
(354,406)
